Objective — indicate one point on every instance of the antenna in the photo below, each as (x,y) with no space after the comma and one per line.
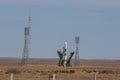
(26,49)
(77,51)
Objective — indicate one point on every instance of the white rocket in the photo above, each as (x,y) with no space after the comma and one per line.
(65,45)
(64,59)
(65,48)
(65,53)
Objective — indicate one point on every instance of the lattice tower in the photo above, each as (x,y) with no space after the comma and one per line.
(26,49)
(77,51)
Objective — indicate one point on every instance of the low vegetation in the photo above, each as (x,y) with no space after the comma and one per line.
(42,72)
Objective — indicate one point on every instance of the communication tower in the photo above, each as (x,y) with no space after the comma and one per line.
(77,51)
(26,49)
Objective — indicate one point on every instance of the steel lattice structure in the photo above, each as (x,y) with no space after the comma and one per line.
(77,51)
(26,49)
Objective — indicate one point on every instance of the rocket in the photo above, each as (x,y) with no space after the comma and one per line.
(65,48)
(64,59)
(65,45)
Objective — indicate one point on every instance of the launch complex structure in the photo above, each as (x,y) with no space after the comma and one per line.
(77,41)
(26,49)
(64,59)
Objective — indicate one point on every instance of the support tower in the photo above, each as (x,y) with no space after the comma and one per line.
(77,51)
(26,49)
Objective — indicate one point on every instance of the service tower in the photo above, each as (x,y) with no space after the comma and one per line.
(26,49)
(77,51)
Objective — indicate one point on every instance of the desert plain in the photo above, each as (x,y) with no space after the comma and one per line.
(43,69)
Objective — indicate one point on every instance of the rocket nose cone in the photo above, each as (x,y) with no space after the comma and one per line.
(65,45)
(65,42)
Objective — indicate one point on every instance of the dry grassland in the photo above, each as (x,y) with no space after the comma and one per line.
(41,69)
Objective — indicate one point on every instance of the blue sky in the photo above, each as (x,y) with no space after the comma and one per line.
(96,22)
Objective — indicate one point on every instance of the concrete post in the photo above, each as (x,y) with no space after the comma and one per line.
(94,76)
(11,76)
(53,76)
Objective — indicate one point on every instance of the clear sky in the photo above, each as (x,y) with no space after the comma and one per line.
(96,22)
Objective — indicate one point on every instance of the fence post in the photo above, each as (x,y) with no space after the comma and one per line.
(11,76)
(94,76)
(54,76)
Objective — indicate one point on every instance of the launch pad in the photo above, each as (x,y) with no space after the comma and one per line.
(64,59)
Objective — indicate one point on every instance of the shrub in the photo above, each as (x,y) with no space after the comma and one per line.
(15,71)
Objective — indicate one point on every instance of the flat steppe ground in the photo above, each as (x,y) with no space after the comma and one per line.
(43,69)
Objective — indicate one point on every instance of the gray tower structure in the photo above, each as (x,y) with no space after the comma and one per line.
(26,49)
(77,51)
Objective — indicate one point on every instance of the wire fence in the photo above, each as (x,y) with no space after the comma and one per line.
(35,76)
(40,77)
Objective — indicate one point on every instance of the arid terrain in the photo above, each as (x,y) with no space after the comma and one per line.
(43,69)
